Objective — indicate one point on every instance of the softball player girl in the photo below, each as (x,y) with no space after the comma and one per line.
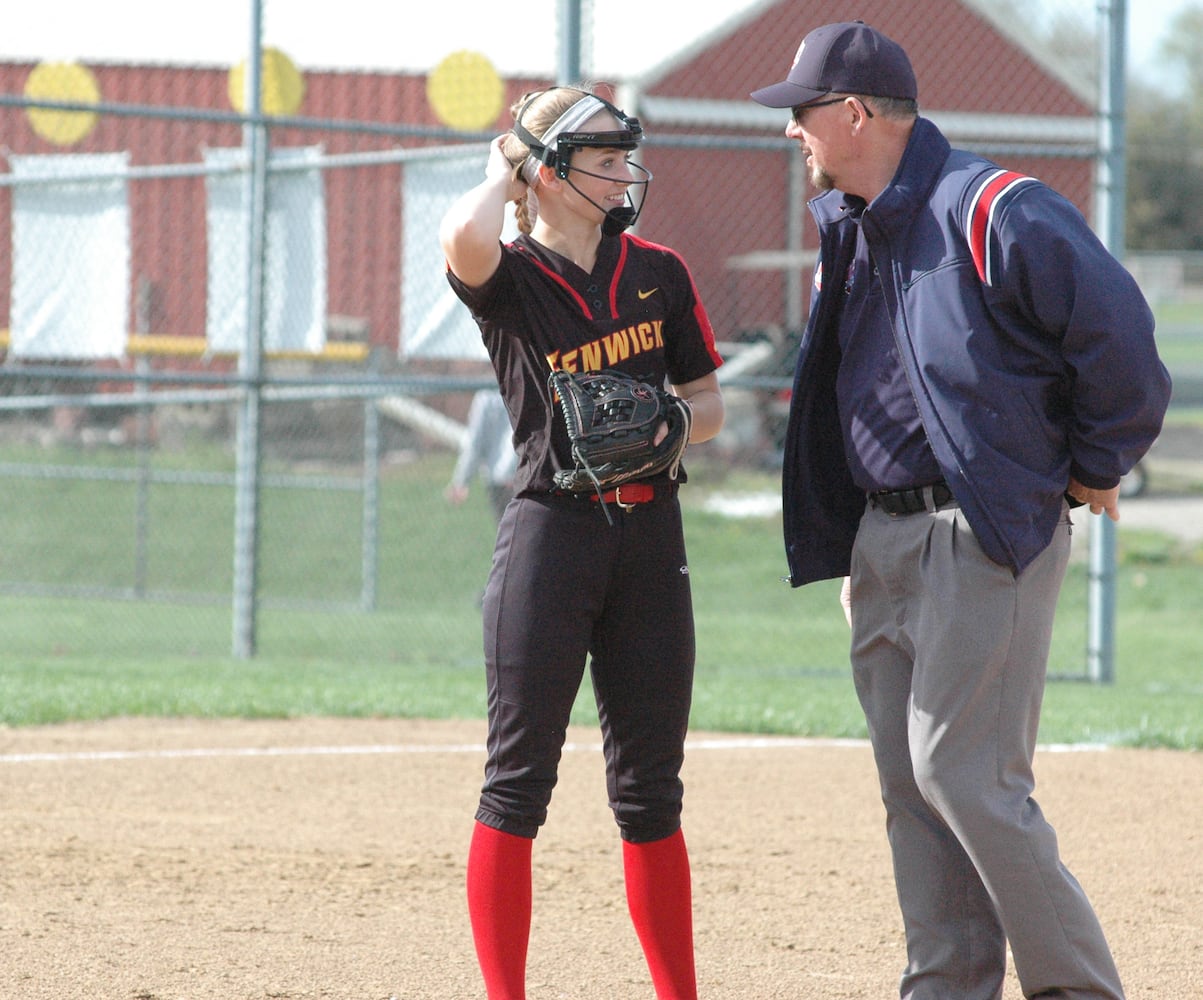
(574,291)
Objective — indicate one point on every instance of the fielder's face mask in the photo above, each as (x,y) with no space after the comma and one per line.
(556,147)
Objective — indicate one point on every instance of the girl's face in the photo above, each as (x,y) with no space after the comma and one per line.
(601,174)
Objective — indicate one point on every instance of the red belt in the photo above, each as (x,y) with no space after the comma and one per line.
(627,495)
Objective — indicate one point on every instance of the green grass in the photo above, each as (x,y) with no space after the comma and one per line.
(1180,335)
(771,659)
(1185,315)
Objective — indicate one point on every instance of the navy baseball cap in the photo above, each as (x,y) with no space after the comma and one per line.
(844,58)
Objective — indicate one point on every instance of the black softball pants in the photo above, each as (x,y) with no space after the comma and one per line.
(565,587)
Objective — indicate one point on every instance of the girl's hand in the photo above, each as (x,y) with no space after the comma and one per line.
(499,168)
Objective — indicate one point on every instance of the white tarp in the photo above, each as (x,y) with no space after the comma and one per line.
(294,280)
(71,256)
(434,323)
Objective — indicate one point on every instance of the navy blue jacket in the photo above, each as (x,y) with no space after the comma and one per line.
(1028,347)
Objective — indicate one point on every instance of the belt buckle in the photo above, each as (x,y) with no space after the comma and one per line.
(618,498)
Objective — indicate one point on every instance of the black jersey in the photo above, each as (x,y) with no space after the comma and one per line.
(637,312)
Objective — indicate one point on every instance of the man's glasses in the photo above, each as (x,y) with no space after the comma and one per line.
(798,110)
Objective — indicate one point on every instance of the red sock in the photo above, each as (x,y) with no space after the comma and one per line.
(499,906)
(660,901)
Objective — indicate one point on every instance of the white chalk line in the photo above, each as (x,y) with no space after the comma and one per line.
(714,743)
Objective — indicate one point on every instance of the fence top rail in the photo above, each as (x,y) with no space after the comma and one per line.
(183,346)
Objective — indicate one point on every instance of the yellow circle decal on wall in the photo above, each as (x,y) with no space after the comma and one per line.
(465,91)
(281,88)
(68,82)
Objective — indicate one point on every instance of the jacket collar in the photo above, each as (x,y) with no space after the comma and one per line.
(918,170)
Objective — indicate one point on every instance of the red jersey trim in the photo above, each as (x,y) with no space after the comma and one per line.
(559,281)
(699,310)
(622,260)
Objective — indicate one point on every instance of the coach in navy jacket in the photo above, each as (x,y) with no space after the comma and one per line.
(1028,347)
(975,362)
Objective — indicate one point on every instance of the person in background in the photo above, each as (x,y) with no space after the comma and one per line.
(576,292)
(975,363)
(487,451)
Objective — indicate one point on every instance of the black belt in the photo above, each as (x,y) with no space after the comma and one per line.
(912,500)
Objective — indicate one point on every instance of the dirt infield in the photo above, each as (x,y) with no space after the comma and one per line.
(181,860)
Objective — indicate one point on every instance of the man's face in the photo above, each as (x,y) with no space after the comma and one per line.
(815,127)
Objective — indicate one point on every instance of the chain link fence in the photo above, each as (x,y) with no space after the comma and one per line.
(140,258)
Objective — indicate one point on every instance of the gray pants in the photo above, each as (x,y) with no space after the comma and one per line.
(949,656)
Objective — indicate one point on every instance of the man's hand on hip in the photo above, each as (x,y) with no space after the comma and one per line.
(1098,500)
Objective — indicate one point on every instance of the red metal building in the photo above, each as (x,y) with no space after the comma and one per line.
(718,202)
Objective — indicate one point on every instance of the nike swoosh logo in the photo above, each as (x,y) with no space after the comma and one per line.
(644,295)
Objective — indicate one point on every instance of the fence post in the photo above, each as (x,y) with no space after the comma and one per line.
(250,360)
(568,64)
(371,492)
(1100,647)
(142,448)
